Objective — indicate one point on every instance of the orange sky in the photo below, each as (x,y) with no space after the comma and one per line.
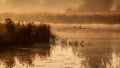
(40,5)
(36,5)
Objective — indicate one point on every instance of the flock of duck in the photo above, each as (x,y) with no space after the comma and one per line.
(82,43)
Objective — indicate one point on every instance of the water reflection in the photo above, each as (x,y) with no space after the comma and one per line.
(116,56)
(25,56)
(96,58)
(96,54)
(7,58)
(86,51)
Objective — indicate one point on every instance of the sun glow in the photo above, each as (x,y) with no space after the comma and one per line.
(3,1)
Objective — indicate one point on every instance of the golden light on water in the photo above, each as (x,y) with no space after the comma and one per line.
(86,33)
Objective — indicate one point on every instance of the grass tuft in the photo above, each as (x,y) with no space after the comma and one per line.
(12,33)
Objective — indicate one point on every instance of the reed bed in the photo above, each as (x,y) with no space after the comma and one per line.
(23,34)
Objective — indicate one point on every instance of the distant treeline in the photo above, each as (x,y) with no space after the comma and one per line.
(24,34)
(110,18)
(107,19)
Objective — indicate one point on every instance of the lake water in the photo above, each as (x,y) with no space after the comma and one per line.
(76,46)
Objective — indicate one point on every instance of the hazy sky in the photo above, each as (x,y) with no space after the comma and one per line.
(37,5)
(41,5)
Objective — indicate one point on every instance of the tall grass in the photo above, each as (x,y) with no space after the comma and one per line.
(18,34)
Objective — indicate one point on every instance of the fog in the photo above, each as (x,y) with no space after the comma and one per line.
(37,5)
(58,6)
(96,6)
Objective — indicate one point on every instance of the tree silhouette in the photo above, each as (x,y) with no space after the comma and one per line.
(96,5)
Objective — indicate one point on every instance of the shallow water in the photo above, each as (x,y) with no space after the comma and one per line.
(74,48)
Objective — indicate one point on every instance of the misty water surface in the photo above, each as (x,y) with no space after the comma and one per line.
(75,47)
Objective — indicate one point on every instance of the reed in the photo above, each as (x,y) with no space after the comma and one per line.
(23,34)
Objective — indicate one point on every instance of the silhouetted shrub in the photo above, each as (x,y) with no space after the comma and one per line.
(15,33)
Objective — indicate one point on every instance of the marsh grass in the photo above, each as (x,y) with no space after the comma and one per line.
(21,34)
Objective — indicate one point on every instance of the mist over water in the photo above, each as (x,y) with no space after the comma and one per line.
(76,46)
(86,33)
